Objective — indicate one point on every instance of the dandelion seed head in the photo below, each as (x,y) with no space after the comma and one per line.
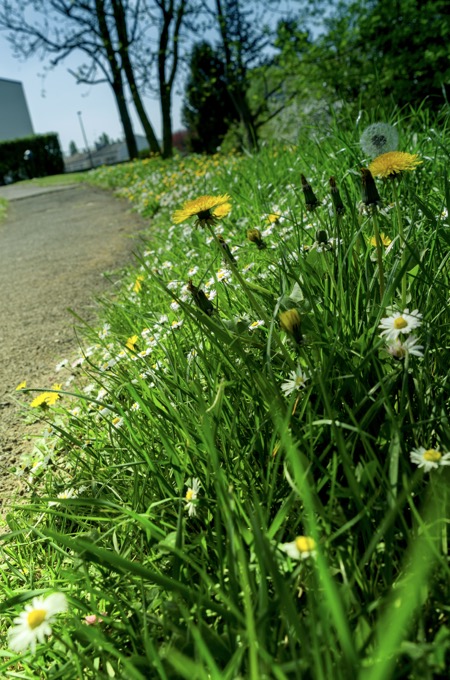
(379,138)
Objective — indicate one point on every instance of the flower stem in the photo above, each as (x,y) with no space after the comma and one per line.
(401,234)
(378,245)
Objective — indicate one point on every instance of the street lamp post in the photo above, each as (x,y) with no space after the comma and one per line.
(85,139)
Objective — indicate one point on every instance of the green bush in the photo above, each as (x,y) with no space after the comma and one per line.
(36,156)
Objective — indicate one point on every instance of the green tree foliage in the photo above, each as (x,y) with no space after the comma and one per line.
(73,149)
(379,50)
(408,44)
(208,110)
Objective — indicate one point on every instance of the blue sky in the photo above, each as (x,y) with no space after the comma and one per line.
(53,100)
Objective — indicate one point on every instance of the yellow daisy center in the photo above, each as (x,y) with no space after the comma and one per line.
(400,322)
(189,494)
(36,617)
(305,544)
(432,456)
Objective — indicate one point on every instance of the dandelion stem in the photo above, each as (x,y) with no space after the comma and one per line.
(401,234)
(378,245)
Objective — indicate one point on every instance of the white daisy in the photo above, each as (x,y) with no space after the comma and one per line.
(64,495)
(295,382)
(256,324)
(104,332)
(300,549)
(223,275)
(399,349)
(34,623)
(176,324)
(62,364)
(400,322)
(191,495)
(429,459)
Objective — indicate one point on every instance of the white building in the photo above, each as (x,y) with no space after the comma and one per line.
(106,155)
(15,121)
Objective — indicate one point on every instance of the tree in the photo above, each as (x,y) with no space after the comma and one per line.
(407,41)
(73,149)
(239,42)
(125,42)
(246,31)
(105,31)
(208,109)
(387,52)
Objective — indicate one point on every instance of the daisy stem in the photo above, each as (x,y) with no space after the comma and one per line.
(401,234)
(378,245)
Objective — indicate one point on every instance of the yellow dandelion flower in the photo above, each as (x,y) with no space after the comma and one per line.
(393,163)
(47,398)
(131,342)
(40,400)
(222,210)
(273,217)
(138,284)
(385,240)
(205,208)
(52,397)
(22,385)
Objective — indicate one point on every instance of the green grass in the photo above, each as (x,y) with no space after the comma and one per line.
(176,473)
(3,208)
(55,180)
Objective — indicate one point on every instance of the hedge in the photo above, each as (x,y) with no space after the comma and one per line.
(35,156)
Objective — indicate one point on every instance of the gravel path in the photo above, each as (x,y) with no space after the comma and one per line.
(55,244)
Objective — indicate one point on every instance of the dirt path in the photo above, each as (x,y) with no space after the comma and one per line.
(55,244)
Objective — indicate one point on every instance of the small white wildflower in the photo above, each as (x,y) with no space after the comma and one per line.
(62,364)
(174,306)
(104,332)
(64,495)
(300,549)
(399,349)
(400,322)
(34,623)
(223,275)
(192,355)
(296,381)
(176,324)
(256,324)
(191,495)
(429,459)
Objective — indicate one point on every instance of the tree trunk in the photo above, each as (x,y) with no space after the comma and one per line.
(117,84)
(130,139)
(166,115)
(122,34)
(236,82)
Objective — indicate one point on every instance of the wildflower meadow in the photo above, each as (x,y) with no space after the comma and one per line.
(244,472)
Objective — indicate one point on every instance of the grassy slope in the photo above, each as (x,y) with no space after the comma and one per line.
(178,395)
